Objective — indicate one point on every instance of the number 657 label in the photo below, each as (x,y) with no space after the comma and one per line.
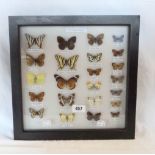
(78,108)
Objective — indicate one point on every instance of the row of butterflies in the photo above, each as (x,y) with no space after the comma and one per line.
(71,61)
(70,43)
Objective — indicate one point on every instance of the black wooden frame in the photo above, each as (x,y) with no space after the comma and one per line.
(15,22)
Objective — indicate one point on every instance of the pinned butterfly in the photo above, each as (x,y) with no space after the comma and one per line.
(66,100)
(94,71)
(95,40)
(93,116)
(94,57)
(94,85)
(67,117)
(35,113)
(118,38)
(36,97)
(92,101)
(31,40)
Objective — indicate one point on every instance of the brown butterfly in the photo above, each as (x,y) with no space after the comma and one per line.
(117,78)
(70,83)
(94,71)
(116,103)
(117,52)
(115,114)
(91,116)
(64,44)
(66,99)
(36,61)
(118,66)
(116,92)
(98,40)
(35,113)
(36,97)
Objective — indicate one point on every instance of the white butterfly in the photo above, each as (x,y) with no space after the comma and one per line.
(94,100)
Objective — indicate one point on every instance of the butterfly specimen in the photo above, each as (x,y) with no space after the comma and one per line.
(116,103)
(91,116)
(67,117)
(117,52)
(35,78)
(36,97)
(66,43)
(35,61)
(94,100)
(35,113)
(115,114)
(63,100)
(117,78)
(94,71)
(92,39)
(116,92)
(94,57)
(118,38)
(34,40)
(96,85)
(118,66)
(70,83)
(62,62)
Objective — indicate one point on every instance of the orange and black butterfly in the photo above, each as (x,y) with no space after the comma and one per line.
(91,116)
(92,39)
(117,52)
(36,97)
(115,114)
(70,43)
(64,100)
(117,78)
(116,92)
(94,71)
(118,66)
(31,40)
(30,60)
(69,83)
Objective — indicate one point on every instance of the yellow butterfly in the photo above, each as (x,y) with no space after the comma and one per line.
(62,62)
(35,78)
(94,100)
(96,85)
(67,117)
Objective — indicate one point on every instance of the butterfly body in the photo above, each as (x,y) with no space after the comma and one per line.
(70,83)
(94,57)
(62,62)
(117,52)
(118,66)
(91,116)
(35,78)
(64,100)
(67,117)
(116,92)
(35,61)
(96,85)
(118,38)
(94,71)
(115,114)
(92,39)
(35,113)
(34,40)
(66,43)
(36,97)
(117,78)
(94,100)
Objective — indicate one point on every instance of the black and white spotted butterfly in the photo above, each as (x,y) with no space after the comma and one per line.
(31,40)
(118,38)
(94,57)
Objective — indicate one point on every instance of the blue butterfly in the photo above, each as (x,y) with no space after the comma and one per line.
(118,38)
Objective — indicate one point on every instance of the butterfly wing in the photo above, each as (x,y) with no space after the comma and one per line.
(61,82)
(98,71)
(41,112)
(90,71)
(30,78)
(40,78)
(40,96)
(72,61)
(60,60)
(120,79)
(91,39)
(63,117)
(90,57)
(29,60)
(70,117)
(115,114)
(32,96)
(98,85)
(114,79)
(120,66)
(62,42)
(33,112)
(90,101)
(99,39)
(114,65)
(30,40)
(97,100)
(71,43)
(97,116)
(71,83)
(89,116)
(90,85)
(97,57)
(39,40)
(40,60)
